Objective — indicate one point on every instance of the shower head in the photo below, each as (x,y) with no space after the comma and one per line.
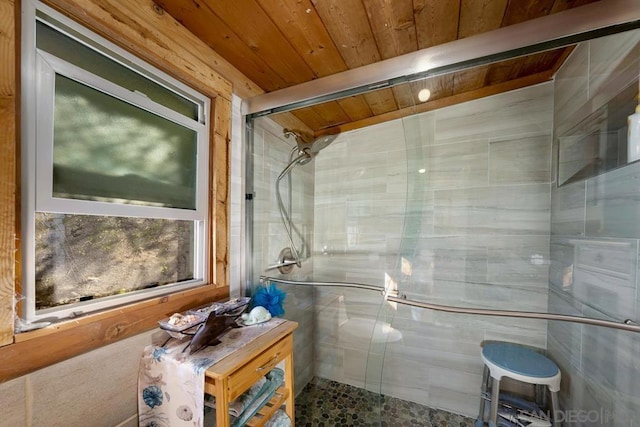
(308,147)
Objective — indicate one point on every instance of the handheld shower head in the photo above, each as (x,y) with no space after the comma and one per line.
(308,145)
(307,149)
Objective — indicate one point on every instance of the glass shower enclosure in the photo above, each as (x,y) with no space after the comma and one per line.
(406,245)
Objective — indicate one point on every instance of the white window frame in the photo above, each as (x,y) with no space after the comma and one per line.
(39,69)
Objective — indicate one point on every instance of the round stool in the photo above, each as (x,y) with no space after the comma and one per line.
(502,359)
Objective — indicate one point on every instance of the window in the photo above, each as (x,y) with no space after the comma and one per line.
(115,173)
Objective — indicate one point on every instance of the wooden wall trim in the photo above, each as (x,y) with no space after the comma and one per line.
(157,38)
(220,188)
(7,167)
(44,347)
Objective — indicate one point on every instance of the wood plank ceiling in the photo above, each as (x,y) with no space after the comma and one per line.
(281,43)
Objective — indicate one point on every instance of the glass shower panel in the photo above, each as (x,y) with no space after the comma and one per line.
(453,201)
(271,152)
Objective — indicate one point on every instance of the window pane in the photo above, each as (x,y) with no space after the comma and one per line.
(108,150)
(81,56)
(82,257)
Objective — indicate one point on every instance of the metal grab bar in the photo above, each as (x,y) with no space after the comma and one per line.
(626,325)
(337,284)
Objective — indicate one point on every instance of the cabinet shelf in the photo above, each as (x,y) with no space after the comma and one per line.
(269,408)
(233,375)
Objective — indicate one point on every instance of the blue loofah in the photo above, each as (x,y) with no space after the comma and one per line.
(271,298)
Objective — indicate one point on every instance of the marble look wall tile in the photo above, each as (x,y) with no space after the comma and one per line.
(369,268)
(520,112)
(609,358)
(419,130)
(606,293)
(578,393)
(303,364)
(421,334)
(537,339)
(458,165)
(613,64)
(13,401)
(453,379)
(571,89)
(521,210)
(613,203)
(615,257)
(405,378)
(374,175)
(598,272)
(329,362)
(378,138)
(299,308)
(568,209)
(566,335)
(498,297)
(624,413)
(521,261)
(459,401)
(515,326)
(269,235)
(520,160)
(457,263)
(562,254)
(363,375)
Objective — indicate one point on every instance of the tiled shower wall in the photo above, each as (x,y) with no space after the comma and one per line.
(271,154)
(595,226)
(452,205)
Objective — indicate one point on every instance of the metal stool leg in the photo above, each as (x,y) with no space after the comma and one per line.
(483,390)
(495,397)
(555,409)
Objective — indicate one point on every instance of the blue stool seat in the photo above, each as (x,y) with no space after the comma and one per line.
(503,359)
(519,360)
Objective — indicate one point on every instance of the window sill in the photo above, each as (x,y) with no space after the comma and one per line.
(71,338)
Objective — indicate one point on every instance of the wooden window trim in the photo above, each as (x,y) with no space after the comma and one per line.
(146,31)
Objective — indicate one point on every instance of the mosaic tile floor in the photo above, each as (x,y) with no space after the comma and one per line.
(325,403)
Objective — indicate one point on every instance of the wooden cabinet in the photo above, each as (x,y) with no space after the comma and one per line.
(231,376)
